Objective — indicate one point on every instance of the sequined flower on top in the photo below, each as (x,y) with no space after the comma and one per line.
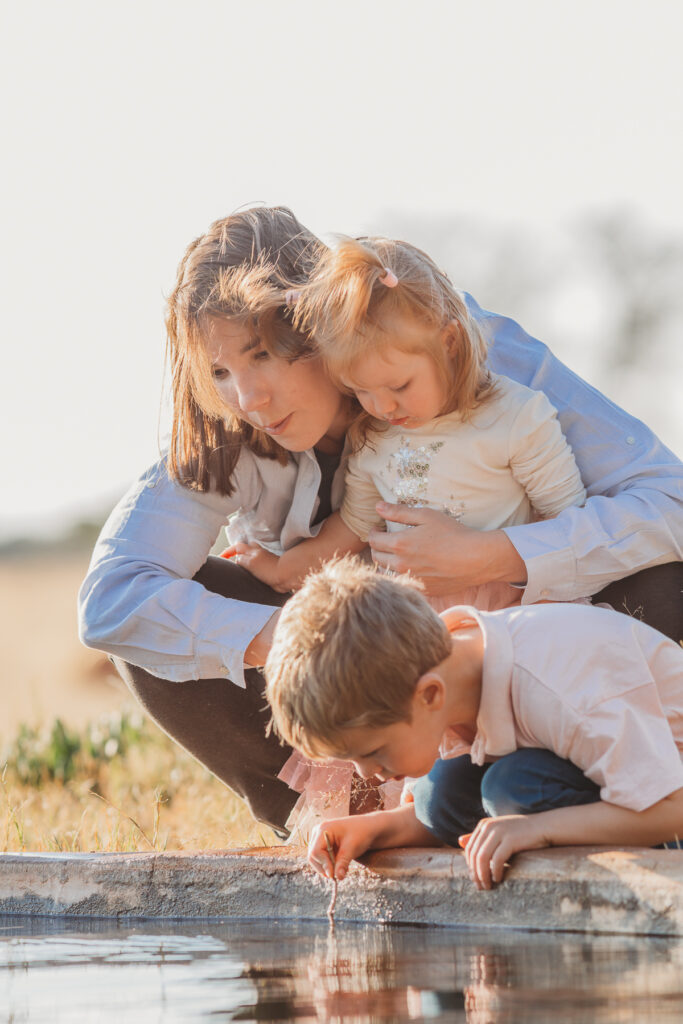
(410,468)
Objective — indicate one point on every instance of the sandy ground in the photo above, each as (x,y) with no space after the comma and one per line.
(44,670)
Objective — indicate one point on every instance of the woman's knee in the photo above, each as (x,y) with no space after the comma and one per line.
(222,576)
(654,595)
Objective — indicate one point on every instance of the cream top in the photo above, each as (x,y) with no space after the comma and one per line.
(507,464)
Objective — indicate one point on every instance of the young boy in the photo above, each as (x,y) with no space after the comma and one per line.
(362,668)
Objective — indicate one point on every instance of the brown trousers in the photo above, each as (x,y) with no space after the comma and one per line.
(224,726)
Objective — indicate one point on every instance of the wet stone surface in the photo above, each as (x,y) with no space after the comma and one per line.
(582,889)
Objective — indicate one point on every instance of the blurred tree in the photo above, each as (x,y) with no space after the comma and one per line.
(642,271)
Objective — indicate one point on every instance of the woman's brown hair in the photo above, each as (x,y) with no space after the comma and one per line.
(239,269)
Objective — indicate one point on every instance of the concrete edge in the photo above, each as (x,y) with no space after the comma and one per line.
(621,891)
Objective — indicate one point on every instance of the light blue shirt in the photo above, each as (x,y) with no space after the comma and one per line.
(139,601)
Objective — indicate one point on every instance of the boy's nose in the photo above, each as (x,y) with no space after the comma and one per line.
(363,771)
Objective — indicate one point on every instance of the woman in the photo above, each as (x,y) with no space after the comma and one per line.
(258,433)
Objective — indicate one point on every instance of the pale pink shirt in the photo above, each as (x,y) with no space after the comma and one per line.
(596,687)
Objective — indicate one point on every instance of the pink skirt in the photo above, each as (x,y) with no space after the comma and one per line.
(325,788)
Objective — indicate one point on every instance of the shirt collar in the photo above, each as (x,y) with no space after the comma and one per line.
(495,722)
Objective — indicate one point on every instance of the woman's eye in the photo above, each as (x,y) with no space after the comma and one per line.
(219,373)
(261,354)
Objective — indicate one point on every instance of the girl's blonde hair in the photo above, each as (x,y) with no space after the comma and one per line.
(239,269)
(352,294)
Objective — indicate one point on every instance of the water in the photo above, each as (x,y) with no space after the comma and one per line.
(91,971)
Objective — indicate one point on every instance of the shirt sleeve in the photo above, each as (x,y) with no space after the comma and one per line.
(360,497)
(633,516)
(542,461)
(139,601)
(627,748)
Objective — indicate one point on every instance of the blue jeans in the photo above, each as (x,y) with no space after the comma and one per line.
(457,794)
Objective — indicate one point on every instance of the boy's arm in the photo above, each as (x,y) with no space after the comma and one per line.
(495,840)
(286,572)
(350,837)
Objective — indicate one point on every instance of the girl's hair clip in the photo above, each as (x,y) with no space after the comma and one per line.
(291,297)
(388,278)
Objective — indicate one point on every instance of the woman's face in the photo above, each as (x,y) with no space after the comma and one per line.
(294,402)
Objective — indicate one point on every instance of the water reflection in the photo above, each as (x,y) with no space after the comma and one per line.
(281,971)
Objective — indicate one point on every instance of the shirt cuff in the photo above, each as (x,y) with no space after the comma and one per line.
(215,659)
(549,559)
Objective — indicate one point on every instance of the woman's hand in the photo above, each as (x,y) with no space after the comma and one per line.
(442,552)
(349,838)
(495,840)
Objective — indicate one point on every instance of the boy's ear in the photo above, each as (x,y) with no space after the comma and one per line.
(430,691)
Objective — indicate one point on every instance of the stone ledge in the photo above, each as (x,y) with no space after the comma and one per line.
(587,889)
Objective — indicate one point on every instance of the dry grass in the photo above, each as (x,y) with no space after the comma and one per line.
(145,794)
(151,797)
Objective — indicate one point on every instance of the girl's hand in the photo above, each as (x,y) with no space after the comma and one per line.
(495,840)
(349,837)
(442,552)
(262,564)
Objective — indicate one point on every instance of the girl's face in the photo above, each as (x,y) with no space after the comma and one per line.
(407,389)
(294,402)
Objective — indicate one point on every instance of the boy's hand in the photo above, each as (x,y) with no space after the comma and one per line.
(495,840)
(262,564)
(349,838)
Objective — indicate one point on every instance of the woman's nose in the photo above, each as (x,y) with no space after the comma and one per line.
(251,394)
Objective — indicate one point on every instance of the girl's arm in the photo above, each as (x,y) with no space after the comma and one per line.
(344,532)
(350,837)
(287,571)
(540,459)
(495,840)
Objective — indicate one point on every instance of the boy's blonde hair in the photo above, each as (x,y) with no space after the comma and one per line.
(348,651)
(240,270)
(345,307)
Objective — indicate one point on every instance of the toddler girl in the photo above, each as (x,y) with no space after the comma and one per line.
(437,430)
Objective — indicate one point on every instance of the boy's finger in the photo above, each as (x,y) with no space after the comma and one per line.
(464,840)
(229,552)
(341,866)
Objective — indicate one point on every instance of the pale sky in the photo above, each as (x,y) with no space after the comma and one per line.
(130,126)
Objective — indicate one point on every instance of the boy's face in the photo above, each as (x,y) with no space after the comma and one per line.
(393,751)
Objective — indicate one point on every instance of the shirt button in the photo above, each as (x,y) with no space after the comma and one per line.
(630,440)
(545,593)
